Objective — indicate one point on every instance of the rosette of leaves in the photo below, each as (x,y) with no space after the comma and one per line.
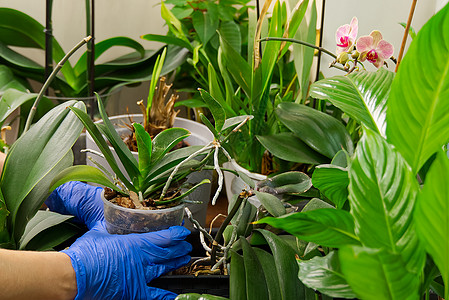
(142,179)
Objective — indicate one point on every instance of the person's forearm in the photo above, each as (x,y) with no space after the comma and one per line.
(36,275)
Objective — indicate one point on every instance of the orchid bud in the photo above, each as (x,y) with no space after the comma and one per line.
(355,54)
(343,58)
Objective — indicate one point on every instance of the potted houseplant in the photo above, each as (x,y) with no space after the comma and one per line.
(158,115)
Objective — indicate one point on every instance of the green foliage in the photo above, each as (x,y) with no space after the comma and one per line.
(28,173)
(155,165)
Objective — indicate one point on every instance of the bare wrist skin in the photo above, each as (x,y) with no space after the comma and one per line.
(36,275)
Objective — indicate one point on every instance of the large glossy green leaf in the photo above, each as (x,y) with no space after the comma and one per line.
(418,124)
(82,173)
(320,131)
(288,146)
(333,182)
(40,222)
(19,29)
(32,157)
(205,25)
(383,188)
(287,269)
(327,226)
(230,31)
(144,147)
(11,100)
(324,274)
(431,215)
(377,274)
(362,95)
(9,81)
(269,269)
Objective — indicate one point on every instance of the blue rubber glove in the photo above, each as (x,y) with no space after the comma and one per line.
(110,266)
(78,199)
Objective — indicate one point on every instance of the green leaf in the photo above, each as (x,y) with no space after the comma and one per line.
(102,145)
(83,173)
(376,274)
(174,25)
(411,31)
(169,40)
(144,147)
(333,182)
(237,281)
(41,221)
(11,100)
(431,215)
(230,122)
(230,31)
(3,213)
(383,188)
(327,226)
(320,131)
(256,285)
(287,269)
(205,25)
(292,182)
(362,95)
(165,141)
(9,81)
(419,126)
(215,108)
(269,269)
(35,155)
(237,66)
(126,157)
(324,274)
(272,204)
(289,147)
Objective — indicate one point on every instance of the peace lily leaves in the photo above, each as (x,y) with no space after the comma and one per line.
(333,182)
(324,274)
(417,108)
(362,95)
(431,211)
(327,226)
(382,188)
(377,274)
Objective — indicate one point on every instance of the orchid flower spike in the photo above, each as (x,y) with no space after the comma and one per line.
(346,36)
(374,49)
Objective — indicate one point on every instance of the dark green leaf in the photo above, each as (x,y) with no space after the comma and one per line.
(215,108)
(144,147)
(292,182)
(272,204)
(288,146)
(237,282)
(320,131)
(333,182)
(327,226)
(165,141)
(205,25)
(269,269)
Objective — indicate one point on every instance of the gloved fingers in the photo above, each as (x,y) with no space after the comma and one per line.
(159,294)
(167,237)
(155,270)
(155,254)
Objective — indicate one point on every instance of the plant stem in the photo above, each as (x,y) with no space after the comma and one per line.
(299,42)
(49,80)
(320,43)
(404,38)
(90,68)
(48,38)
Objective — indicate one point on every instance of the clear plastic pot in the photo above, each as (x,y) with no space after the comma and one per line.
(121,220)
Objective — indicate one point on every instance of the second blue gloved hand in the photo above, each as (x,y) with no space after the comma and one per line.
(78,199)
(110,266)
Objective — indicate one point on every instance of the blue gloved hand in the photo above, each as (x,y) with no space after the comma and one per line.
(110,266)
(78,199)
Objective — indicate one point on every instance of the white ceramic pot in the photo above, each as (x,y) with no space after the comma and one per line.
(200,135)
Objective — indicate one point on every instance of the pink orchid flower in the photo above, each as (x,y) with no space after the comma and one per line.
(373,48)
(346,36)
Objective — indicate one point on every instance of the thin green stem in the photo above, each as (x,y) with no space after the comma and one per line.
(49,80)
(299,42)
